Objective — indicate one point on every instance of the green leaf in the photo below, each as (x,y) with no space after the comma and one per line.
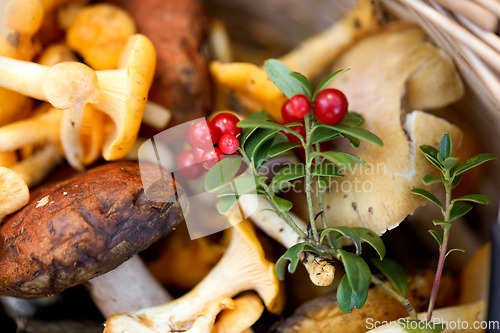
(456,181)
(281,186)
(430,179)
(437,236)
(226,203)
(443,224)
(245,184)
(260,136)
(340,159)
(419,326)
(260,154)
(477,198)
(246,132)
(346,232)
(358,132)
(394,273)
(357,271)
(429,196)
(292,255)
(358,160)
(283,205)
(321,134)
(474,162)
(269,125)
(280,75)
(282,147)
(354,141)
(445,147)
(459,209)
(304,82)
(431,154)
(327,80)
(348,299)
(222,172)
(323,182)
(451,250)
(326,169)
(450,162)
(353,119)
(289,172)
(373,239)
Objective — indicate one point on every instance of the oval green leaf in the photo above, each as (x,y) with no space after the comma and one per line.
(348,299)
(222,173)
(357,271)
(429,196)
(280,75)
(394,273)
(373,239)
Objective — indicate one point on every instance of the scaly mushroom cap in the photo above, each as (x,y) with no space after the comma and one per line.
(14,193)
(124,93)
(81,228)
(383,68)
(99,32)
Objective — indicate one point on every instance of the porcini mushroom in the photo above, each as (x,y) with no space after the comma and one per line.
(98,33)
(83,227)
(124,93)
(67,85)
(252,84)
(392,61)
(242,267)
(14,193)
(247,310)
(320,269)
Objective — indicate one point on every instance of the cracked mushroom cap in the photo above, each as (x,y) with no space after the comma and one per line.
(124,93)
(391,73)
(14,193)
(81,228)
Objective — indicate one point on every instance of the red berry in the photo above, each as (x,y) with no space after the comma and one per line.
(210,157)
(287,114)
(228,144)
(226,123)
(197,152)
(299,106)
(203,134)
(330,106)
(188,166)
(299,129)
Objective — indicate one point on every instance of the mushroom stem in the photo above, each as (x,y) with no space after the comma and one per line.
(23,77)
(321,271)
(129,287)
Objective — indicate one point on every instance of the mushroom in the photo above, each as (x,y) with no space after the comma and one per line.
(242,267)
(7,158)
(67,85)
(55,54)
(252,84)
(320,269)
(247,310)
(78,229)
(124,92)
(98,33)
(405,73)
(455,319)
(14,193)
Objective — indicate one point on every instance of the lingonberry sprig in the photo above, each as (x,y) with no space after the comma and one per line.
(311,118)
(451,173)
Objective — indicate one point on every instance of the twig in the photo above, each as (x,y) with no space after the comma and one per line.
(492,5)
(487,36)
(473,11)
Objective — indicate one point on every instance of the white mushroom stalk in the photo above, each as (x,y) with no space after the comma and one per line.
(321,271)
(68,86)
(242,267)
(36,167)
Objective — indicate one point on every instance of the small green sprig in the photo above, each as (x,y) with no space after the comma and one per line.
(451,174)
(261,140)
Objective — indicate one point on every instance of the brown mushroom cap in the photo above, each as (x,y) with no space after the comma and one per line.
(81,228)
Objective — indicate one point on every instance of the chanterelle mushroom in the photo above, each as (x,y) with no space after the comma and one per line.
(124,92)
(99,33)
(242,267)
(67,85)
(14,193)
(81,228)
(392,72)
(247,310)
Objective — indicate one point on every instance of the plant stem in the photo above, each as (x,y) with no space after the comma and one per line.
(321,204)
(307,149)
(405,302)
(443,249)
